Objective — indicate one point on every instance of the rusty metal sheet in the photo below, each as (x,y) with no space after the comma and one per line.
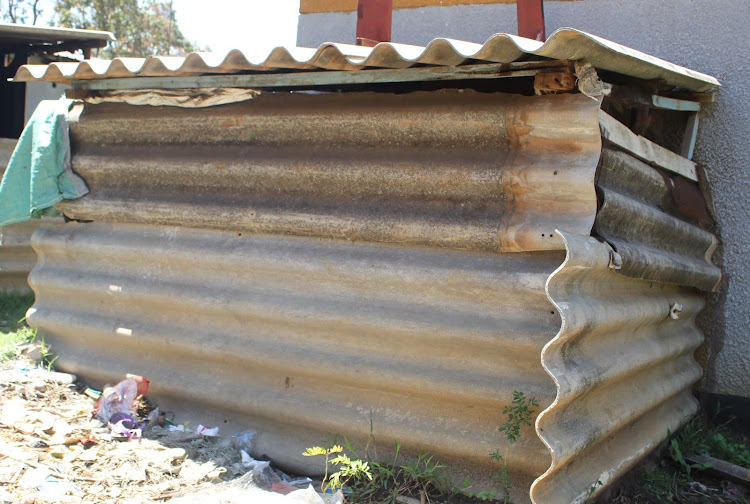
(564,44)
(304,337)
(623,368)
(453,169)
(639,218)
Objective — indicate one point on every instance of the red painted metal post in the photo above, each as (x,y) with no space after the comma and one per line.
(374,22)
(530,19)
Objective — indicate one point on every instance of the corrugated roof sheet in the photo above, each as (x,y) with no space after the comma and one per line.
(19,33)
(564,44)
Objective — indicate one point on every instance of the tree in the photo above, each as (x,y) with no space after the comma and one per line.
(20,11)
(141,27)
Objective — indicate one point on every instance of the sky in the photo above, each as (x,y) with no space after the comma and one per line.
(249,25)
(222,25)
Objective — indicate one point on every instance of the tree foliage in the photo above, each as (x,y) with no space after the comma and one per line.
(141,27)
(21,11)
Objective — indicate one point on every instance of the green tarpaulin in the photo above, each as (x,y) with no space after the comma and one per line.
(39,173)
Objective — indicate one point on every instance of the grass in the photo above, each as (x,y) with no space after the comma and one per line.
(13,328)
(674,479)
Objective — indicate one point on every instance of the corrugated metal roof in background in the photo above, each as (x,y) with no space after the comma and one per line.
(463,170)
(564,44)
(306,336)
(11,33)
(624,371)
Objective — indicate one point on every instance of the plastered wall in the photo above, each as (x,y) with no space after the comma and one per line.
(702,35)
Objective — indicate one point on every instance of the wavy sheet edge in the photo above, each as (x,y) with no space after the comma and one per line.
(626,441)
(564,43)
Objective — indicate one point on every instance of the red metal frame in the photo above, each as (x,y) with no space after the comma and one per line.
(374,21)
(530,19)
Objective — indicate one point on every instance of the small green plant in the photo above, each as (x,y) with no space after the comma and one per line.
(44,349)
(592,491)
(385,481)
(519,413)
(423,472)
(674,480)
(348,468)
(13,328)
(676,453)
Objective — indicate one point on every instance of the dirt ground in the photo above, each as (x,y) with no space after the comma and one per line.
(52,450)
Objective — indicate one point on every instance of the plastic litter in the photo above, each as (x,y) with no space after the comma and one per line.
(126,425)
(243,440)
(207,431)
(116,406)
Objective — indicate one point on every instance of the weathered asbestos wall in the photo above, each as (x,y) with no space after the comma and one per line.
(320,336)
(16,255)
(461,170)
(314,262)
(698,35)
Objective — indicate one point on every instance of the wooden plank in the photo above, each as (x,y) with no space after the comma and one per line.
(690,95)
(554,82)
(325,78)
(644,149)
(723,469)
(664,102)
(691,134)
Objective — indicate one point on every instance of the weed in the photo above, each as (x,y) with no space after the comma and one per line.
(347,468)
(372,481)
(696,439)
(592,491)
(676,453)
(47,360)
(13,328)
(519,414)
(422,473)
(674,481)
(503,479)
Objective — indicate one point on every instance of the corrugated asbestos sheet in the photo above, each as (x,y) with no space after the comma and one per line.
(17,258)
(639,218)
(16,255)
(463,170)
(564,44)
(316,262)
(309,333)
(623,370)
